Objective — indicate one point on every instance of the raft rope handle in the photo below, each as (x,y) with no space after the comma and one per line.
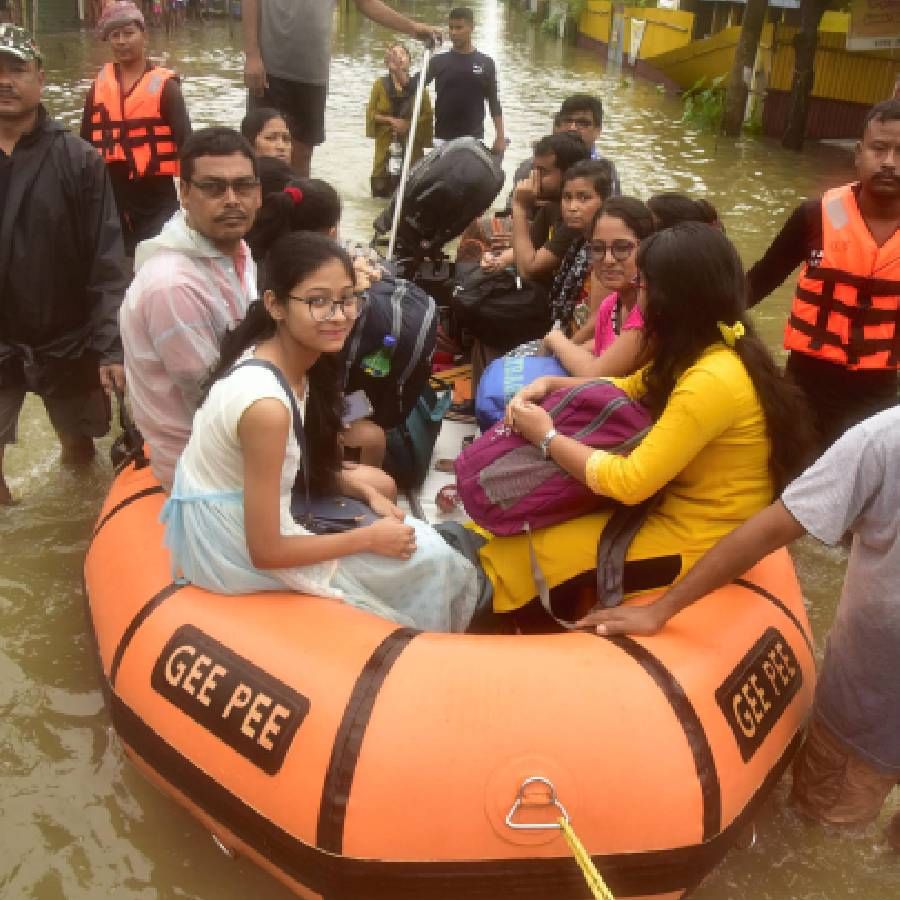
(553,800)
(594,879)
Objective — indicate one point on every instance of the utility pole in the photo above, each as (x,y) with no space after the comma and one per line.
(742,68)
(805,41)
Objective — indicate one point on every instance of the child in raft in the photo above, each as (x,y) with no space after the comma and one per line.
(228,520)
(585,187)
(729,430)
(290,204)
(268,133)
(611,344)
(614,328)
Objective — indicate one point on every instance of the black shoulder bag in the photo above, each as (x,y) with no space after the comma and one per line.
(321,515)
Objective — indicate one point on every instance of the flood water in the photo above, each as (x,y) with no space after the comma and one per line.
(76,821)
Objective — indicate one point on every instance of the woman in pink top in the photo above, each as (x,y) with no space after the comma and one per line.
(618,348)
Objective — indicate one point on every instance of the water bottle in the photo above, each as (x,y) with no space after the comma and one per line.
(378,364)
(395,158)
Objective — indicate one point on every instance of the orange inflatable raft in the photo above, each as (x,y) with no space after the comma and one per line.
(353,759)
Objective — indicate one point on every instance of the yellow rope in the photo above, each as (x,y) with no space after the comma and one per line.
(593,878)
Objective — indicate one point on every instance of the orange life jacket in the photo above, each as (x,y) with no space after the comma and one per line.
(847,305)
(131,129)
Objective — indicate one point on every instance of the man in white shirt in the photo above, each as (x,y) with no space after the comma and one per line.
(192,283)
(850,761)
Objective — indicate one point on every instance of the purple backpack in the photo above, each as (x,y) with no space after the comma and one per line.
(507,486)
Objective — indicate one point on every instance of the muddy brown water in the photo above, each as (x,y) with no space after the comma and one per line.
(76,821)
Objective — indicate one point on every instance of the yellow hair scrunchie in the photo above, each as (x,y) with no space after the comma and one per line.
(731,333)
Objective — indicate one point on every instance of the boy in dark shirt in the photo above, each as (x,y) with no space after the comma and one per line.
(464,79)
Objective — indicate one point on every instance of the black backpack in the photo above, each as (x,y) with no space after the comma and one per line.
(501,309)
(399,308)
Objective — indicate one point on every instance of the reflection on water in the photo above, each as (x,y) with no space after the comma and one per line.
(77,821)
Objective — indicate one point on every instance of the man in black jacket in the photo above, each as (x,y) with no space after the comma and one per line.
(62,274)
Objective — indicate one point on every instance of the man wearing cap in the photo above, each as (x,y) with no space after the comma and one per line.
(62,273)
(287,47)
(135,116)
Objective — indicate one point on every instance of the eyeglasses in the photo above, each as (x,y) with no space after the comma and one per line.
(324,308)
(215,188)
(580,122)
(620,248)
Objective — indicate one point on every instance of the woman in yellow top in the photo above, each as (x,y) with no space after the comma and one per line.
(388,117)
(729,430)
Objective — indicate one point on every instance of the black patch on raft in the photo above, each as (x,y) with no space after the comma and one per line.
(253,712)
(756,694)
(704,761)
(146,492)
(140,617)
(349,738)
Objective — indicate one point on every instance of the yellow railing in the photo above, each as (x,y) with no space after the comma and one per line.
(839,74)
(706,58)
(595,20)
(666,29)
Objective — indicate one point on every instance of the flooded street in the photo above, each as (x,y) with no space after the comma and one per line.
(76,820)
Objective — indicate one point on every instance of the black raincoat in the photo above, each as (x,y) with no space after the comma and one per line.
(62,265)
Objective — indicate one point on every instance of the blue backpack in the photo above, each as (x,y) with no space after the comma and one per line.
(503,378)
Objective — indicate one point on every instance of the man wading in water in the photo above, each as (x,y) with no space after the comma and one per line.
(844,326)
(464,80)
(62,273)
(135,116)
(850,761)
(287,47)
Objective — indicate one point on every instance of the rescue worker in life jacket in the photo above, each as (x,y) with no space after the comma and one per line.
(843,332)
(135,116)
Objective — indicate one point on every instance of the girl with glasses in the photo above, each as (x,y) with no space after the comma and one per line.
(228,519)
(611,343)
(291,204)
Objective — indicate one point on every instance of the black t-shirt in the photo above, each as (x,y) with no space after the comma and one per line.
(5,175)
(548,230)
(463,82)
(799,239)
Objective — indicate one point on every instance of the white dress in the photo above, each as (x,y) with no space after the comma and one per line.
(435,590)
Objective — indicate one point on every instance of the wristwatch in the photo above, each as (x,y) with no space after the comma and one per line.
(544,445)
